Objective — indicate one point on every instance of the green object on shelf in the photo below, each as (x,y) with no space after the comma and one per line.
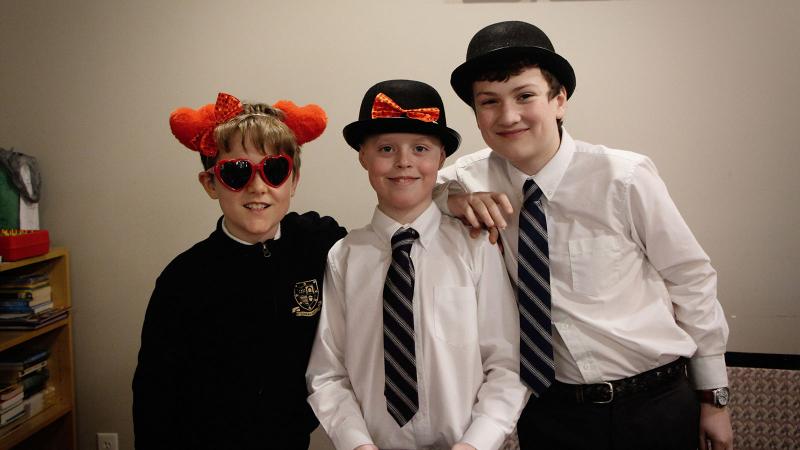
(9,201)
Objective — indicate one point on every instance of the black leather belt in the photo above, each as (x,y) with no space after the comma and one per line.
(609,391)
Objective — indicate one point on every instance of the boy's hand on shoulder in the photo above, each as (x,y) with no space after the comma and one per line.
(366,447)
(715,426)
(481,210)
(463,446)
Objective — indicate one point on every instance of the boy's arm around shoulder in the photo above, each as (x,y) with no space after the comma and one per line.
(446,185)
(477,210)
(323,229)
(665,238)
(502,396)
(331,393)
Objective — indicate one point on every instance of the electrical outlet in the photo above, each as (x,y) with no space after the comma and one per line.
(107,441)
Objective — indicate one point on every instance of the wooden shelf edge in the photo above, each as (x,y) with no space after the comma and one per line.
(11,338)
(18,432)
(54,253)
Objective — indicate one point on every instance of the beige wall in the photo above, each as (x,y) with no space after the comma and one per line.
(707,89)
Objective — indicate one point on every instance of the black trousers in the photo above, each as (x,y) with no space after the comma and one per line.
(665,418)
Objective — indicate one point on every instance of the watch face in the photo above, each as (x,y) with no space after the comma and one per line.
(721,396)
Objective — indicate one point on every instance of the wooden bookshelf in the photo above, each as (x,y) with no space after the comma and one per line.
(53,427)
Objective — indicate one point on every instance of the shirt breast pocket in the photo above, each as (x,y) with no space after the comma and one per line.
(594,264)
(455,312)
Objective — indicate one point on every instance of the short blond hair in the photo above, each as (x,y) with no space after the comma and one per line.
(260,125)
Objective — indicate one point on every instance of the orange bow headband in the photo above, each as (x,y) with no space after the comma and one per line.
(195,128)
(384,108)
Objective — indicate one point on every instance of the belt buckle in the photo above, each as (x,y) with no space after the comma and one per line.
(610,394)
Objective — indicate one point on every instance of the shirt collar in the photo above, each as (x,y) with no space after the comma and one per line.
(230,235)
(426,225)
(549,177)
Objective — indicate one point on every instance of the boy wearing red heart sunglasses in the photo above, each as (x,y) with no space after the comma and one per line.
(229,327)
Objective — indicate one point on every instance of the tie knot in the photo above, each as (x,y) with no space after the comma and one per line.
(531,191)
(404,237)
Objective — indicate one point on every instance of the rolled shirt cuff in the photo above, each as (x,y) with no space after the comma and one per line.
(484,434)
(708,372)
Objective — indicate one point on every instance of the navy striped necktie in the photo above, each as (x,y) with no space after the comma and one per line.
(533,293)
(398,330)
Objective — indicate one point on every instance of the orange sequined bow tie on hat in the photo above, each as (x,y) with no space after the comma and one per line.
(422,112)
(384,108)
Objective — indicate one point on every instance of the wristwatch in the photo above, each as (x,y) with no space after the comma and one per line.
(718,397)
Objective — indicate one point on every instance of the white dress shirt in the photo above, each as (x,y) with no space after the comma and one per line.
(466,330)
(631,287)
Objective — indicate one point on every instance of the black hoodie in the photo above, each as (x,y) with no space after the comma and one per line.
(226,340)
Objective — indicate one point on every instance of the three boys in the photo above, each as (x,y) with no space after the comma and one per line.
(614,292)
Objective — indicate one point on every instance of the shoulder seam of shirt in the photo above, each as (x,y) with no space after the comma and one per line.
(602,150)
(474,157)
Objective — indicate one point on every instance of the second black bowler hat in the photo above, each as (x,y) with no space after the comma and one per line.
(401,106)
(508,40)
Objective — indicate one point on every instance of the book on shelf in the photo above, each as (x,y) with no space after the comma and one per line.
(34,382)
(11,391)
(22,358)
(34,404)
(33,321)
(13,376)
(12,311)
(13,394)
(16,302)
(12,402)
(40,294)
(42,307)
(25,278)
(14,315)
(14,413)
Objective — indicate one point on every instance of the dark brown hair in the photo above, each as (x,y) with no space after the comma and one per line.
(503,70)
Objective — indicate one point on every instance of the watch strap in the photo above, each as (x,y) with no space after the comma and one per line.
(710,396)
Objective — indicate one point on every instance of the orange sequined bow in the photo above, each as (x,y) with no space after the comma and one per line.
(384,107)
(226,108)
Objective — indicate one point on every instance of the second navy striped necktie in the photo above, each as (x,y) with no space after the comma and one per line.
(533,293)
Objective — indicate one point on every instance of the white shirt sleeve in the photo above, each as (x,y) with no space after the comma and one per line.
(661,232)
(331,394)
(446,185)
(502,395)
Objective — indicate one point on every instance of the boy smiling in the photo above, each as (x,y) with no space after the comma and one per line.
(617,300)
(417,344)
(229,326)
(403,188)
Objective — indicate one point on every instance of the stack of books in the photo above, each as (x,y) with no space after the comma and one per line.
(24,295)
(23,375)
(12,405)
(26,301)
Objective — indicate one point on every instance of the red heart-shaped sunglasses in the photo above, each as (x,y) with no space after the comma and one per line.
(235,174)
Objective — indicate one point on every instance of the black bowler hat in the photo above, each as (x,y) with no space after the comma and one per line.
(509,40)
(401,106)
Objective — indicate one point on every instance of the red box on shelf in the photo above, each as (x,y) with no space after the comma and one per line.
(21,244)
